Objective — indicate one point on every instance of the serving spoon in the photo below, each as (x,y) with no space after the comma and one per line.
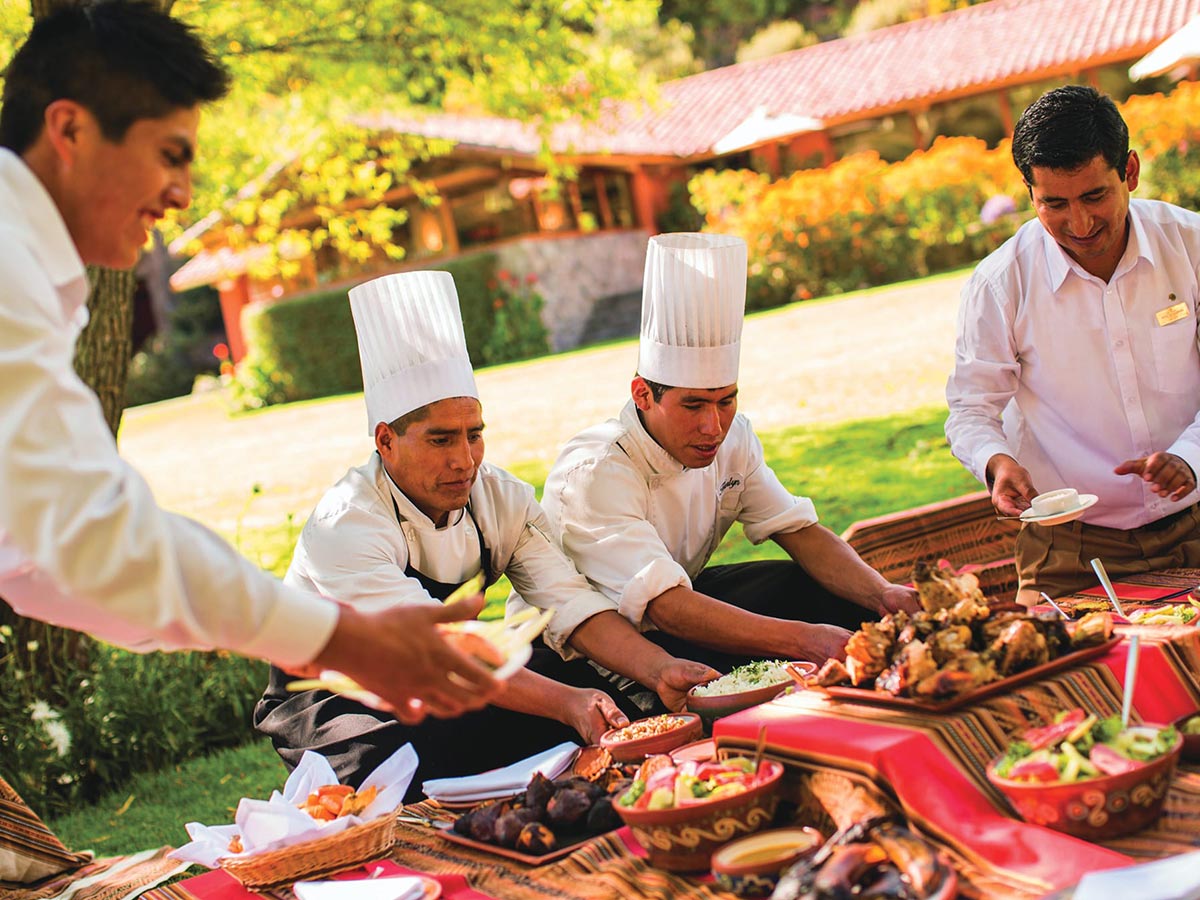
(1098,568)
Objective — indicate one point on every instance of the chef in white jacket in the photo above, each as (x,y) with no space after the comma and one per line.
(98,130)
(641,502)
(425,514)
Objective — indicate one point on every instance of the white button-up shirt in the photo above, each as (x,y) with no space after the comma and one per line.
(1083,373)
(82,542)
(638,523)
(355,548)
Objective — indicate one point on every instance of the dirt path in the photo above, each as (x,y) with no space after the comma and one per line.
(868,355)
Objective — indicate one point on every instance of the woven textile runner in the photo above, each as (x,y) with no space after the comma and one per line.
(218,885)
(114,878)
(932,766)
(611,867)
(1136,590)
(29,851)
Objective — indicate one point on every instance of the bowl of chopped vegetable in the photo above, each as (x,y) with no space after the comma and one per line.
(646,737)
(682,813)
(1189,727)
(1089,777)
(743,687)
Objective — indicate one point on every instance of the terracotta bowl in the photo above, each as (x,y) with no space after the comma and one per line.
(751,866)
(1094,809)
(1191,742)
(689,728)
(712,708)
(682,839)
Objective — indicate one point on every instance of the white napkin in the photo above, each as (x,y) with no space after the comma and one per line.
(278,822)
(397,887)
(1173,878)
(503,782)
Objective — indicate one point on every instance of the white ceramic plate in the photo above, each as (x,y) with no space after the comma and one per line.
(1086,502)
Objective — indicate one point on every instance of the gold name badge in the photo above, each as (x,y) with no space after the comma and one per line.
(1171,314)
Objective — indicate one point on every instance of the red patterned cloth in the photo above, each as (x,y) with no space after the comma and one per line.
(933,764)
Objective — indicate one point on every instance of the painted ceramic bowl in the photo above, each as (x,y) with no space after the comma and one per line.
(751,866)
(1191,742)
(1094,809)
(716,706)
(646,737)
(683,838)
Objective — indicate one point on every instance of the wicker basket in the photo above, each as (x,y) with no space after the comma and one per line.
(324,856)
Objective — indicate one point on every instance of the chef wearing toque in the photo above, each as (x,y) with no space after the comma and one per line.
(641,502)
(422,516)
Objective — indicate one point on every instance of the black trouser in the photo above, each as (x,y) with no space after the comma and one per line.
(780,589)
(355,739)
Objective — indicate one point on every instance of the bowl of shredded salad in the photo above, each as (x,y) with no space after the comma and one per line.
(1088,776)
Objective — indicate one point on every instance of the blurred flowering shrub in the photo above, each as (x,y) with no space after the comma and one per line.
(76,722)
(517,329)
(863,221)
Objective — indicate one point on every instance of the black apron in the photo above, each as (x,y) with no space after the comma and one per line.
(355,739)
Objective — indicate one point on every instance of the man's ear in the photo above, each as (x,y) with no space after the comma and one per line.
(1133,168)
(384,438)
(643,397)
(65,124)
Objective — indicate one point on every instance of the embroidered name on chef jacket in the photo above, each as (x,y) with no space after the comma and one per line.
(729,483)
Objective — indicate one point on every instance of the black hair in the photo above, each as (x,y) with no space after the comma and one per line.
(657,390)
(122,60)
(400,425)
(1067,128)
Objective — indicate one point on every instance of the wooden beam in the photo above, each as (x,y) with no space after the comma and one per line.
(606,216)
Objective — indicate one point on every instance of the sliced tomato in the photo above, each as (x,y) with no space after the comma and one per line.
(1033,770)
(1110,762)
(1048,735)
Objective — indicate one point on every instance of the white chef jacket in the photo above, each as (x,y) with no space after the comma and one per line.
(638,523)
(1082,371)
(82,542)
(354,547)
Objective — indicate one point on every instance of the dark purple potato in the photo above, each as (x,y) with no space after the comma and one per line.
(539,792)
(536,838)
(602,817)
(567,807)
(483,825)
(509,825)
(591,788)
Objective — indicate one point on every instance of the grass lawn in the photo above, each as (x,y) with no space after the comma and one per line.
(854,470)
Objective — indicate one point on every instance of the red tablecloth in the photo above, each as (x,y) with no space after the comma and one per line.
(933,764)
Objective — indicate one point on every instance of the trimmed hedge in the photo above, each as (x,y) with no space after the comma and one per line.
(304,346)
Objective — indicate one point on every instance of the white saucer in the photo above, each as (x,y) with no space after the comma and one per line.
(1086,502)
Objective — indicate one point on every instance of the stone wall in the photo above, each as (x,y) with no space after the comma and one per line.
(576,271)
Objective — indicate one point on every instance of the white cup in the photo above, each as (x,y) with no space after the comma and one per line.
(1052,502)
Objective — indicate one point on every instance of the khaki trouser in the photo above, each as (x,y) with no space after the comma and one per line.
(1058,559)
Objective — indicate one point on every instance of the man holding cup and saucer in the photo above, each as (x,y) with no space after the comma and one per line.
(1076,365)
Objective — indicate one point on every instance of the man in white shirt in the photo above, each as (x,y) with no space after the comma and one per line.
(98,129)
(425,514)
(1076,363)
(640,503)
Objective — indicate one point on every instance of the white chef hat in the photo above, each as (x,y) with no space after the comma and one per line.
(411,343)
(693,303)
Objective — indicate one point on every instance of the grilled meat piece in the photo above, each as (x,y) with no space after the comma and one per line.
(1094,628)
(869,649)
(964,672)
(1018,647)
(941,588)
(833,673)
(913,664)
(949,642)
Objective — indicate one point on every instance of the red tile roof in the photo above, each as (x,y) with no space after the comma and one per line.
(956,54)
